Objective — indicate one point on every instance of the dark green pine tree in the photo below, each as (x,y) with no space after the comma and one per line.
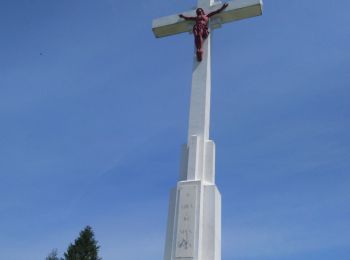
(84,248)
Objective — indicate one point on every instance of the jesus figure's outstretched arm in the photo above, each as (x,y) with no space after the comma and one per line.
(218,11)
(187,17)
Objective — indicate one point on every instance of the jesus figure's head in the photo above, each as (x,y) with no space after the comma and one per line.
(200,11)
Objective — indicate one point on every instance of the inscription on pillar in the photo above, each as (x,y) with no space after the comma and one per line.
(186,227)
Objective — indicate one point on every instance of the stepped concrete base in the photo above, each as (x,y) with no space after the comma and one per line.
(194,222)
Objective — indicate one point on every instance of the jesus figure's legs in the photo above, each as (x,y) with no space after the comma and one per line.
(198,40)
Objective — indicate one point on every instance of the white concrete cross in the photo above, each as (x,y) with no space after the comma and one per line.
(194,219)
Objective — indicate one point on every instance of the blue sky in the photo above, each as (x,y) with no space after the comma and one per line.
(94,109)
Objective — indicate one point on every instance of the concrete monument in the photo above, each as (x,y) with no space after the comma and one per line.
(194,218)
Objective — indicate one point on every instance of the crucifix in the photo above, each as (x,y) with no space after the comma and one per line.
(200,28)
(194,217)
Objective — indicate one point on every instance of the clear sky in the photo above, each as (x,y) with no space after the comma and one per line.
(94,109)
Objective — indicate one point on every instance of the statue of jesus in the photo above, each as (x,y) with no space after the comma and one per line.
(200,28)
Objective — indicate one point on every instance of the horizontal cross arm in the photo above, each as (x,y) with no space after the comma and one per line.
(236,10)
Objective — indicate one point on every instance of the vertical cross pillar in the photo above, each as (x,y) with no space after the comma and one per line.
(199,118)
(205,3)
